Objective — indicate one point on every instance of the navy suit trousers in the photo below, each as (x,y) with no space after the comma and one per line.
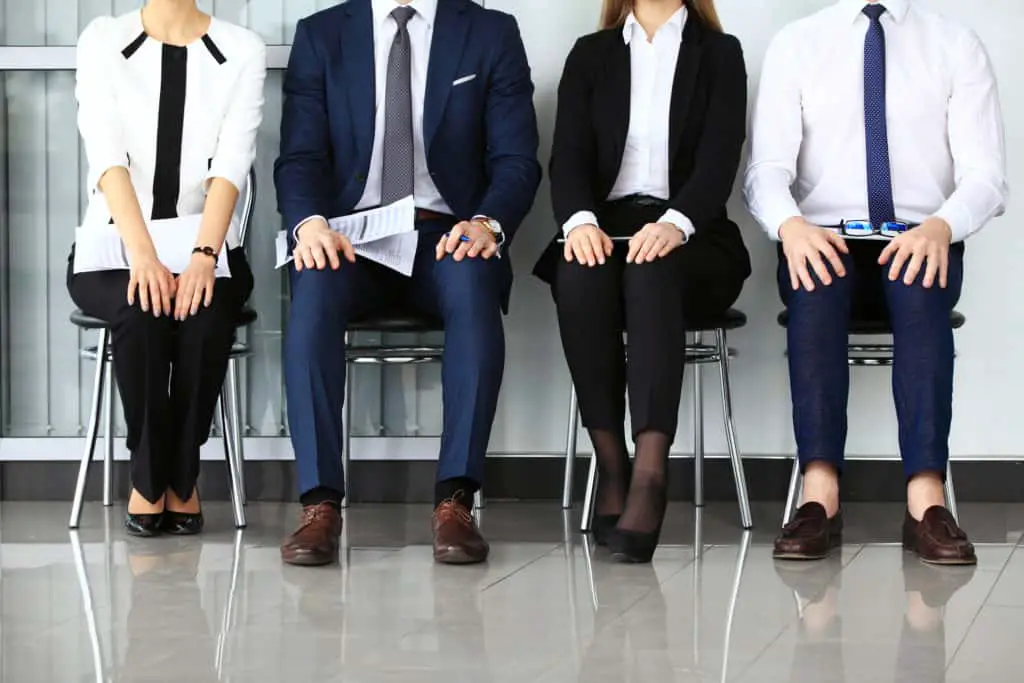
(922,373)
(466,295)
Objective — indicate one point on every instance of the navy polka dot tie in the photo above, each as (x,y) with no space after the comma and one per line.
(880,201)
(398,177)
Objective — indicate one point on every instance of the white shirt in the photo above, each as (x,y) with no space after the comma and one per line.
(196,121)
(945,127)
(645,163)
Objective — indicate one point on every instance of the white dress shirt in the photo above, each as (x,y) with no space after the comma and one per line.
(173,128)
(945,127)
(645,163)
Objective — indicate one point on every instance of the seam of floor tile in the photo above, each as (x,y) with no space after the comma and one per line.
(984,603)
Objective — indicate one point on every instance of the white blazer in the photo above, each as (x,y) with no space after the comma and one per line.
(175,117)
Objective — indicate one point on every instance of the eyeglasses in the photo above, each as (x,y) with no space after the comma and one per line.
(867,229)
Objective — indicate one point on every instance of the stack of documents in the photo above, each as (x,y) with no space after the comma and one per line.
(386,235)
(99,247)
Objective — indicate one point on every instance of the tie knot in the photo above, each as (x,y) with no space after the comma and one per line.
(402,16)
(874,11)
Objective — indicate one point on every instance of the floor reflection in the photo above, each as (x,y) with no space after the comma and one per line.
(552,608)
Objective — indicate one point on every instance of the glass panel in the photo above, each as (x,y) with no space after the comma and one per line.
(58,22)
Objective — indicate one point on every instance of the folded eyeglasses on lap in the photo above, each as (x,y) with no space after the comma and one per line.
(867,229)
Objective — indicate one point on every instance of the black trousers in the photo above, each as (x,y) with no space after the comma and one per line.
(652,303)
(169,373)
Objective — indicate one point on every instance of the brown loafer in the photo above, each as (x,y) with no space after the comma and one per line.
(457,539)
(316,541)
(811,535)
(937,538)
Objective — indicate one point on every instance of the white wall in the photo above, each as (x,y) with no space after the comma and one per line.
(989,371)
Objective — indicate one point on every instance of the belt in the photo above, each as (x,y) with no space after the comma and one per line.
(428,215)
(639,200)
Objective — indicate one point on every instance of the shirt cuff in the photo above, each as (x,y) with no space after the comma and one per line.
(677,219)
(958,217)
(295,230)
(577,219)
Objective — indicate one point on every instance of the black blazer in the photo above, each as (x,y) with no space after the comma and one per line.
(707,129)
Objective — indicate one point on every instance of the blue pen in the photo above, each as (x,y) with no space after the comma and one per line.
(462,238)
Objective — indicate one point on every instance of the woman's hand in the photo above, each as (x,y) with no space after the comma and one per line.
(654,241)
(588,244)
(195,286)
(151,283)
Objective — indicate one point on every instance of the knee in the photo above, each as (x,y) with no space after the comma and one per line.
(134,322)
(468,290)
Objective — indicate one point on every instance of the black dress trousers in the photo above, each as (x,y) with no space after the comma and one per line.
(651,303)
(169,373)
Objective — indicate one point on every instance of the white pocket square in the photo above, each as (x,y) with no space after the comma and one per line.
(464,79)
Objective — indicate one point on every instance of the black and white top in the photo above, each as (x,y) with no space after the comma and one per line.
(175,117)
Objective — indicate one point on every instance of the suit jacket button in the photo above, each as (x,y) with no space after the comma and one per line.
(361,177)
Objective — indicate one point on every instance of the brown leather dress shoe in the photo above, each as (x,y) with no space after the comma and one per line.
(316,541)
(811,535)
(937,538)
(457,538)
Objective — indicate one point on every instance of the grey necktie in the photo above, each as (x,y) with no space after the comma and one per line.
(397,181)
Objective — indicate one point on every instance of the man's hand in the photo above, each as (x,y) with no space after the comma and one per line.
(195,286)
(152,283)
(479,242)
(926,245)
(318,247)
(654,241)
(588,244)
(803,244)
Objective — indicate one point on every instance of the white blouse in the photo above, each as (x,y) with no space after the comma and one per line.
(175,117)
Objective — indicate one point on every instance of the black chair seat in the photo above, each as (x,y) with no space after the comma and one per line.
(396,321)
(247,317)
(956,321)
(730,320)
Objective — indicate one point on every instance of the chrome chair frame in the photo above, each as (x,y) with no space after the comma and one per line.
(381,355)
(230,406)
(860,355)
(698,354)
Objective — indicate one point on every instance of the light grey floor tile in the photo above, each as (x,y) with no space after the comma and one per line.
(547,608)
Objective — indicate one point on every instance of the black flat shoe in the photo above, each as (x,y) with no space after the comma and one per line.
(144,526)
(633,547)
(182,523)
(601,526)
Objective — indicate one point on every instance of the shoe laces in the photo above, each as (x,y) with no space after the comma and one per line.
(453,509)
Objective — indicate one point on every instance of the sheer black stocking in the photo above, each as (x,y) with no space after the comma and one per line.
(613,470)
(647,499)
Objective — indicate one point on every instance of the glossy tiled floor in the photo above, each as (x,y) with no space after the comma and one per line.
(94,606)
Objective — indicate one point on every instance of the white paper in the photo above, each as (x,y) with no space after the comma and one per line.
(100,247)
(375,224)
(386,235)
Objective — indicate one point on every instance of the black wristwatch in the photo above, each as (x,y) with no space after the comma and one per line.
(206,251)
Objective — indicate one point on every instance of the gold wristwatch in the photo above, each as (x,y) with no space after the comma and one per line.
(493,227)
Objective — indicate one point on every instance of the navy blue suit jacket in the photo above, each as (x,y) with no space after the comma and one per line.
(481,138)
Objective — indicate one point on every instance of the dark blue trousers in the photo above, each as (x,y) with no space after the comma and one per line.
(466,295)
(922,373)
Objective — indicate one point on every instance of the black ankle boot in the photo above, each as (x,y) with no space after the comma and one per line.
(143,525)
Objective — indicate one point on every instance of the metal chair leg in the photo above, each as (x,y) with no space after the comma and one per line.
(587,514)
(738,474)
(230,461)
(234,396)
(346,433)
(90,436)
(571,434)
(108,433)
(792,496)
(698,428)
(478,499)
(951,493)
